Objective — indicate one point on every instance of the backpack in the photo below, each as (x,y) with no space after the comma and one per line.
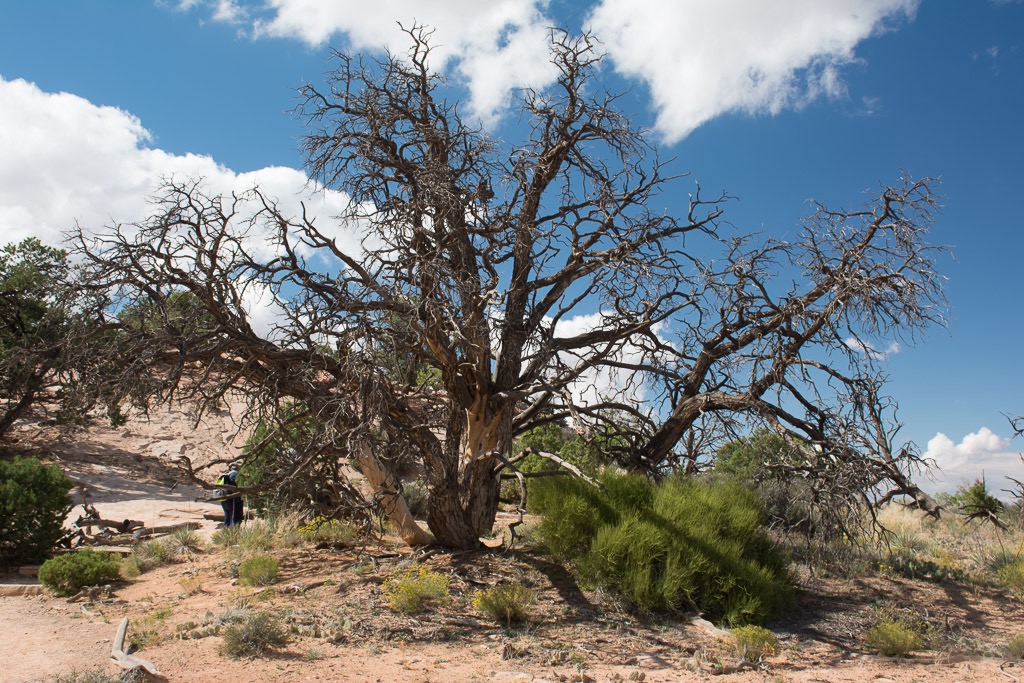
(222,480)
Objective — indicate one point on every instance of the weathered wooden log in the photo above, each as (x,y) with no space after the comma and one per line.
(170,529)
(123,526)
(125,660)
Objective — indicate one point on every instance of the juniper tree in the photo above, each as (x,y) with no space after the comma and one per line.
(448,333)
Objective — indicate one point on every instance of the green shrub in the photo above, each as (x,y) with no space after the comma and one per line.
(416,496)
(922,569)
(976,503)
(67,574)
(508,603)
(892,639)
(1015,647)
(254,536)
(574,510)
(34,501)
(149,554)
(415,589)
(254,636)
(182,544)
(754,642)
(129,567)
(258,570)
(686,543)
(86,676)
(1011,575)
(328,531)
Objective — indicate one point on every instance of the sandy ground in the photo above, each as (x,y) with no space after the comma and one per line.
(130,473)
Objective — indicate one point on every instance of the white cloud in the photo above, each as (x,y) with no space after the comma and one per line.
(605,383)
(496,45)
(66,160)
(702,59)
(877,354)
(980,453)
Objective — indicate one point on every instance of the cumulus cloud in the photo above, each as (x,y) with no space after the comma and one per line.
(702,59)
(495,46)
(606,383)
(980,453)
(699,58)
(67,160)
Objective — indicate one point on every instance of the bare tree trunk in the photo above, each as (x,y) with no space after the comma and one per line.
(449,521)
(482,491)
(395,507)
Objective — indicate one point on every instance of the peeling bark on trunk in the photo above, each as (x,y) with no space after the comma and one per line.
(395,507)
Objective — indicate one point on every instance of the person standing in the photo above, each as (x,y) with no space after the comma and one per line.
(230,499)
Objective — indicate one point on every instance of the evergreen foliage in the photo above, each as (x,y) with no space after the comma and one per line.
(273,454)
(258,570)
(34,501)
(253,637)
(67,574)
(683,544)
(507,603)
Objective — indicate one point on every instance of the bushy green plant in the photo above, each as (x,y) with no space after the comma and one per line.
(34,501)
(258,570)
(922,569)
(183,544)
(686,543)
(280,455)
(86,676)
(789,500)
(416,495)
(1011,575)
(151,553)
(892,639)
(414,589)
(976,503)
(328,531)
(754,642)
(1015,647)
(507,603)
(253,637)
(67,574)
(250,537)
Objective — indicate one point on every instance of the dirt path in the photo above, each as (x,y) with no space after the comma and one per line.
(342,629)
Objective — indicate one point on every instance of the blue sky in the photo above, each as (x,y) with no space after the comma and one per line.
(774,102)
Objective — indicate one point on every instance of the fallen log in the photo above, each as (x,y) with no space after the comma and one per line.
(123,526)
(169,529)
(123,659)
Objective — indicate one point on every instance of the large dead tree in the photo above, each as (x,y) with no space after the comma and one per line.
(476,258)
(790,334)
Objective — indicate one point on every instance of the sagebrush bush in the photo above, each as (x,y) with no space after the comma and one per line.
(258,570)
(754,642)
(152,553)
(415,589)
(506,603)
(254,536)
(328,531)
(892,639)
(254,636)
(34,501)
(86,676)
(1015,647)
(686,543)
(67,574)
(182,544)
(1011,576)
